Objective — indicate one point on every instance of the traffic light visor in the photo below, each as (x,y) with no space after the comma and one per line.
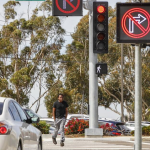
(101,9)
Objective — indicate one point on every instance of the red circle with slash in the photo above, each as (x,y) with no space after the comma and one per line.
(74,8)
(145,31)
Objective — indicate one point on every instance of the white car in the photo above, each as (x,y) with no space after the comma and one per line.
(131,125)
(83,116)
(49,121)
(16,131)
(145,123)
(79,116)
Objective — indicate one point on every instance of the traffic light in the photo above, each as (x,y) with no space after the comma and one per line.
(100,27)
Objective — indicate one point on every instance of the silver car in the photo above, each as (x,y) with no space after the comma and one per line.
(16,130)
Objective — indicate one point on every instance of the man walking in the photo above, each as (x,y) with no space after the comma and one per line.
(60,112)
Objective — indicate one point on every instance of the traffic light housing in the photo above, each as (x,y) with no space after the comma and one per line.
(100,27)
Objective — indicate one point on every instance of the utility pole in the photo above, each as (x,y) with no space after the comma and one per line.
(93,130)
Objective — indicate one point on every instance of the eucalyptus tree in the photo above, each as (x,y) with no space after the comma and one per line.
(32,45)
(77,65)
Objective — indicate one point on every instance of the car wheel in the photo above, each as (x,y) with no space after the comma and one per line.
(19,146)
(39,146)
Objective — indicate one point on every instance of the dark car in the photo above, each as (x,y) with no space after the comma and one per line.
(118,128)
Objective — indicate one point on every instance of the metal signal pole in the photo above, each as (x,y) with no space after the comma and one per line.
(93,130)
(138,98)
(93,79)
(122,114)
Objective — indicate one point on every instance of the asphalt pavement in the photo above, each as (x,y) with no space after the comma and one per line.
(105,143)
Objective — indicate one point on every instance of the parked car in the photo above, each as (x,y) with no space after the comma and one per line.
(145,123)
(49,121)
(131,124)
(16,130)
(118,127)
(79,116)
(83,116)
(114,132)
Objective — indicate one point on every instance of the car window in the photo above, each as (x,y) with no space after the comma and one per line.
(1,108)
(31,114)
(21,112)
(13,112)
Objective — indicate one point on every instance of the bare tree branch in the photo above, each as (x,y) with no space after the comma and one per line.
(43,94)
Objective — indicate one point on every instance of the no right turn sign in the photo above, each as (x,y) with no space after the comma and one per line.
(133,22)
(67,7)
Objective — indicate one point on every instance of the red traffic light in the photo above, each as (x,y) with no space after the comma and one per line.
(101,9)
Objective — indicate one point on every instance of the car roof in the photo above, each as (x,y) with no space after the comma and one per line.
(78,114)
(2,99)
(130,122)
(111,121)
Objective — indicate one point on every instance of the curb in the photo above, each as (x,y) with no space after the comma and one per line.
(143,138)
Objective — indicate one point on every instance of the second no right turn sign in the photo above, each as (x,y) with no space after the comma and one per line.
(67,7)
(133,23)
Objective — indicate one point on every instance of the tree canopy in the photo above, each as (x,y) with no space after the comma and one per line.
(30,54)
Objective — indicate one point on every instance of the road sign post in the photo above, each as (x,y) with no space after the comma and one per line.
(138,98)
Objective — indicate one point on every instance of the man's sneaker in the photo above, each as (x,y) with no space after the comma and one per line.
(54,140)
(61,143)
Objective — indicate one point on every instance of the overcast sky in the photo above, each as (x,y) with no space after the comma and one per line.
(69,24)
